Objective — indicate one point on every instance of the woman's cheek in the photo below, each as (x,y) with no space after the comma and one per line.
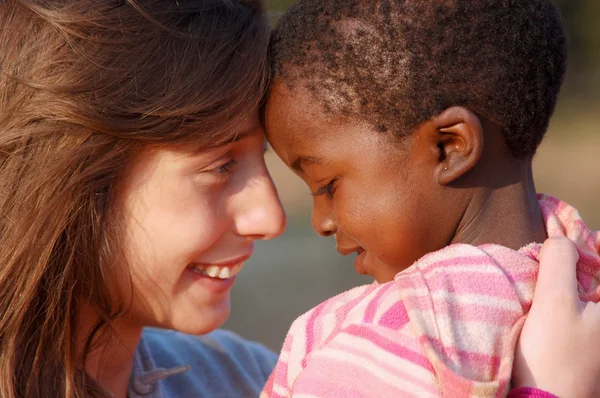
(200,228)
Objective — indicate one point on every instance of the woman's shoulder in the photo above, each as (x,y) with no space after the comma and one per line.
(219,341)
(219,363)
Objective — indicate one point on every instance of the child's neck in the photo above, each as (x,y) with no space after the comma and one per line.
(506,214)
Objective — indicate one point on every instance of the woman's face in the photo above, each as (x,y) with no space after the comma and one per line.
(191,220)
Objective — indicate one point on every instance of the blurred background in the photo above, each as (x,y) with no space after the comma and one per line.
(291,274)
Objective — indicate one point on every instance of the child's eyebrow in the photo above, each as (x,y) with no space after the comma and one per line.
(302,161)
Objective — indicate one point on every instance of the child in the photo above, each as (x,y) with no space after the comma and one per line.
(414,124)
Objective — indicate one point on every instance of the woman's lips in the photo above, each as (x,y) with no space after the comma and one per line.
(223,270)
(217,271)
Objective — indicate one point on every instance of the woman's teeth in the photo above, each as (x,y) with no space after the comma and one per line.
(216,271)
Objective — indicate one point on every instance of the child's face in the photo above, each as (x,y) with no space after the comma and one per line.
(376,194)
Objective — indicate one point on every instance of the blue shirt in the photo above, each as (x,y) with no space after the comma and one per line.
(217,365)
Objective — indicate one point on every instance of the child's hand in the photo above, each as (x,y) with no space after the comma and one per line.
(559,347)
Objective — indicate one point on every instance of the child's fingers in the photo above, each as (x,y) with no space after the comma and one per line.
(557,279)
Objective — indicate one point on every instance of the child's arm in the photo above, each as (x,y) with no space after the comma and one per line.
(355,344)
(280,382)
(307,335)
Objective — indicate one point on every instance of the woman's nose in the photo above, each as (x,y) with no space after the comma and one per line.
(261,215)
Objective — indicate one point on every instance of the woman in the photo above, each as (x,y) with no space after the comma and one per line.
(133,187)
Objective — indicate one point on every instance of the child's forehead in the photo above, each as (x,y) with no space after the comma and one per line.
(294,117)
(310,103)
(292,114)
(299,127)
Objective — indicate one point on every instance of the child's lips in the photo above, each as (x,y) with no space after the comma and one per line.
(359,263)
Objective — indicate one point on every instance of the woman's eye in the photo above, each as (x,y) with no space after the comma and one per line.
(226,167)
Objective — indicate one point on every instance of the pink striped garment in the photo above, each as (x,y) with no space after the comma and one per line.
(446,326)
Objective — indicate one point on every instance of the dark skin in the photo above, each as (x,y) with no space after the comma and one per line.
(393,200)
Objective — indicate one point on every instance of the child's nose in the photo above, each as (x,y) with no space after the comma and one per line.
(322,223)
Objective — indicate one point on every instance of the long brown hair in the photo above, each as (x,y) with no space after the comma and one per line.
(84,86)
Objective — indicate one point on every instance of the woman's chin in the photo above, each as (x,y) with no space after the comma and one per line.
(201,321)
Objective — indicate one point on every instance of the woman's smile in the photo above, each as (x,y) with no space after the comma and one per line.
(218,277)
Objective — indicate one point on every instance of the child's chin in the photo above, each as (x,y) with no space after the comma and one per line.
(384,275)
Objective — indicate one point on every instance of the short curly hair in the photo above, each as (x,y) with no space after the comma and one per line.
(398,63)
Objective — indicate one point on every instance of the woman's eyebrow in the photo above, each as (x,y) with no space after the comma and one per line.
(234,138)
(240,136)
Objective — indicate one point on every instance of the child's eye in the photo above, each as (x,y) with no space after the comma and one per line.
(326,190)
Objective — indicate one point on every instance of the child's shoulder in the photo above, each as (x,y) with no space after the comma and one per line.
(461,255)
(462,272)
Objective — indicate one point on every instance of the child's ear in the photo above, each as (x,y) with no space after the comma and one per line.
(460,143)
